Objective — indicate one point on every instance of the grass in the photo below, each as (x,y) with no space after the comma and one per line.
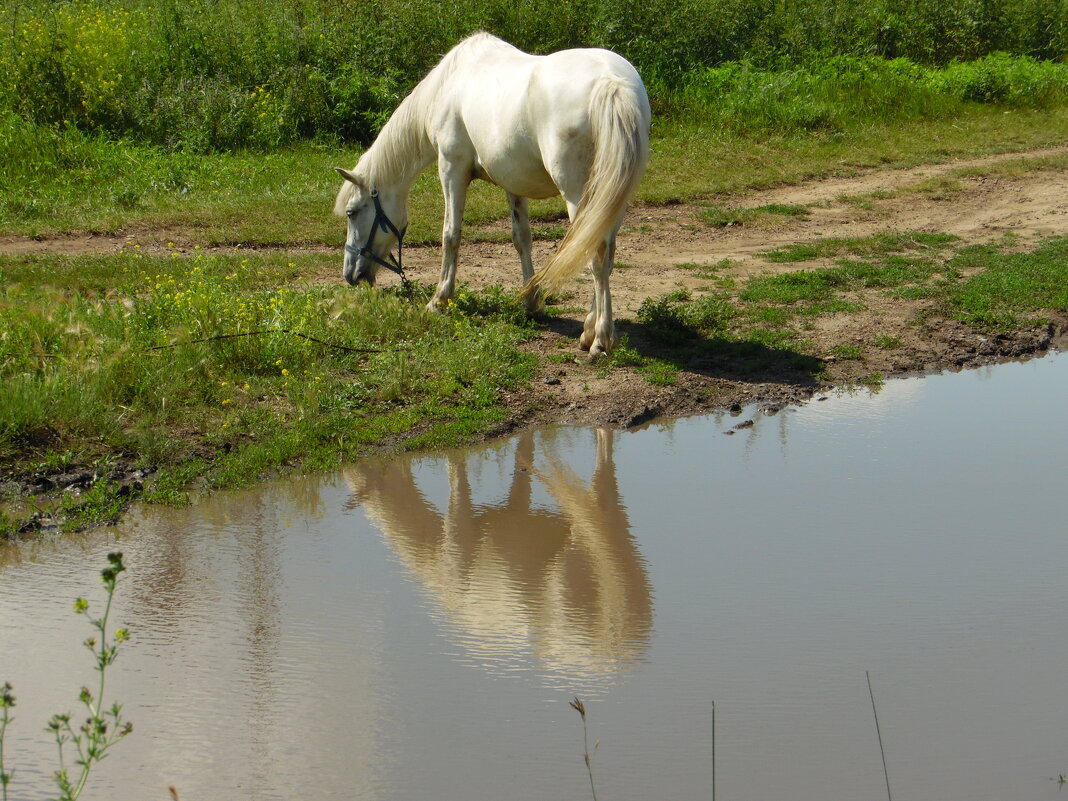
(198,366)
(765,323)
(1010,290)
(847,352)
(66,177)
(860,246)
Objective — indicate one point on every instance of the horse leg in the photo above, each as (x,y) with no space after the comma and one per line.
(520,208)
(454,183)
(588,326)
(598,332)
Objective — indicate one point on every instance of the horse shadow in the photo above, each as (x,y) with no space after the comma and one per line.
(562,580)
(688,349)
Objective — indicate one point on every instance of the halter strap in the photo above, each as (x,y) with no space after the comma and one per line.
(382,220)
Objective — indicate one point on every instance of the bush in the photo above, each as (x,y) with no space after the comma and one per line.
(217,74)
(1001,78)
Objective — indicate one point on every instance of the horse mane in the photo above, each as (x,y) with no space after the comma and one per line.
(404,135)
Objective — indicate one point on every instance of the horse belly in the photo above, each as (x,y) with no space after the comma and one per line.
(506,148)
(525,178)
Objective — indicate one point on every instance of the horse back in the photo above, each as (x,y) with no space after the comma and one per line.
(518,115)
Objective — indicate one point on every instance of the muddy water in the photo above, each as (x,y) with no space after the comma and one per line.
(415,629)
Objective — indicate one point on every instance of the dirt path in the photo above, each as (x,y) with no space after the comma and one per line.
(981,200)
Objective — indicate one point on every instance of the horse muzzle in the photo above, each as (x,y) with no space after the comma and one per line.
(359,270)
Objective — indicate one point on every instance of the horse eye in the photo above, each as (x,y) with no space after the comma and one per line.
(351,213)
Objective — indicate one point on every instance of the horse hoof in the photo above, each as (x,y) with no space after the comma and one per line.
(534,302)
(596,353)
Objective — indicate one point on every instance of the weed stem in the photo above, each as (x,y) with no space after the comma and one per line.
(886,773)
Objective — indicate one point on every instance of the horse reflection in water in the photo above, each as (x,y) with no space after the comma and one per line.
(567,583)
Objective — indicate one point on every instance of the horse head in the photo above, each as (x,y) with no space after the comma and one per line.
(376,221)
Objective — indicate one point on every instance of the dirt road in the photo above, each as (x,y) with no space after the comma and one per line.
(1024,195)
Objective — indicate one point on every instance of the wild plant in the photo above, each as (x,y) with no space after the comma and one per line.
(7,701)
(103,726)
(206,76)
(580,707)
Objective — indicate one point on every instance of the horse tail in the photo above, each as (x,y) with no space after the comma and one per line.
(621,151)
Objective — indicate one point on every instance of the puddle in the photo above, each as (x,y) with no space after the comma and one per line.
(416,628)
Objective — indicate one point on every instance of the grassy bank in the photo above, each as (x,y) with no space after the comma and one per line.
(220,123)
(223,369)
(226,368)
(285,197)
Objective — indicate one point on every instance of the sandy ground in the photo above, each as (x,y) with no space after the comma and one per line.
(979,201)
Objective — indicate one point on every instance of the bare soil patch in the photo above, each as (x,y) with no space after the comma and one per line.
(1024,195)
(983,205)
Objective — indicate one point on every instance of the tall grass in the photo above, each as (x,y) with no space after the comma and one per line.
(842,91)
(207,75)
(72,175)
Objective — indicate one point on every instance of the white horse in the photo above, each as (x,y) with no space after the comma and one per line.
(574,123)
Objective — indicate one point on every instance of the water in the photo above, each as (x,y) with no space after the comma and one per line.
(416,628)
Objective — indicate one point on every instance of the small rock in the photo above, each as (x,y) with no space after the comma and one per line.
(42,483)
(745,424)
(32,524)
(81,478)
(552,382)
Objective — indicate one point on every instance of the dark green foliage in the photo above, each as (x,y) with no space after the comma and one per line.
(214,74)
(675,319)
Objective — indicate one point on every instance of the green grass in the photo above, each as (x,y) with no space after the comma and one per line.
(722,218)
(60,177)
(135,357)
(771,314)
(860,246)
(1011,290)
(816,286)
(886,342)
(848,352)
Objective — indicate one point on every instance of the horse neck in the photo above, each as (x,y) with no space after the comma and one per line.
(402,149)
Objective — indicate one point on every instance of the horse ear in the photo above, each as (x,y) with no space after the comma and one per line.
(349,176)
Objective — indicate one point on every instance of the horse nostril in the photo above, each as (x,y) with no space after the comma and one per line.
(356,278)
